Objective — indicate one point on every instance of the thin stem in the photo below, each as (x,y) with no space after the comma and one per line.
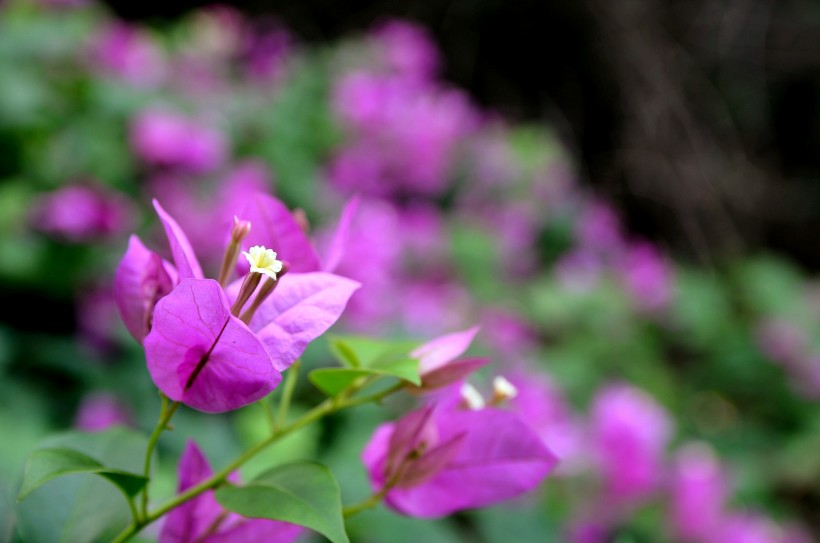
(167,411)
(265,404)
(133,507)
(368,503)
(327,407)
(287,393)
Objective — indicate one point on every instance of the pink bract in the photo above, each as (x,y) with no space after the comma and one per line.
(456,459)
(203,520)
(199,354)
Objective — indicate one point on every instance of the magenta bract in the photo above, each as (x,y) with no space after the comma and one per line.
(440,460)
(437,364)
(273,225)
(184,257)
(141,279)
(301,309)
(199,354)
(203,520)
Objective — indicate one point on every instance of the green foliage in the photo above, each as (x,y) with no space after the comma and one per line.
(43,465)
(365,357)
(76,507)
(301,493)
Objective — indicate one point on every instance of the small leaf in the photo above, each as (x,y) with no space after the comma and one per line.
(46,464)
(332,381)
(365,352)
(301,493)
(344,353)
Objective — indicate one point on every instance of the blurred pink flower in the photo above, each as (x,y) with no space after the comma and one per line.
(80,213)
(699,492)
(100,411)
(165,138)
(407,49)
(599,229)
(648,277)
(404,135)
(629,435)
(131,54)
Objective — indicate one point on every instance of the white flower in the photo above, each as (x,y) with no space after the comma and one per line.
(263,261)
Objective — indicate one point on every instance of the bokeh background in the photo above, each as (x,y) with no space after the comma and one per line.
(624,195)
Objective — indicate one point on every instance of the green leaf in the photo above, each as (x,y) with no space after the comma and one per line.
(332,381)
(366,357)
(362,352)
(80,509)
(302,493)
(43,465)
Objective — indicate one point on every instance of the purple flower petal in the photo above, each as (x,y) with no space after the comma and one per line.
(273,225)
(452,372)
(200,354)
(303,307)
(338,244)
(257,531)
(438,352)
(184,256)
(188,521)
(140,280)
(485,457)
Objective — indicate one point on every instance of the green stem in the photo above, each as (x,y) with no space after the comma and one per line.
(327,407)
(287,393)
(264,403)
(168,410)
(372,501)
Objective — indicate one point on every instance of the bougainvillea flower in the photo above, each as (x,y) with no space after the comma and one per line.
(141,279)
(203,520)
(200,354)
(438,366)
(100,411)
(442,459)
(200,351)
(630,432)
(699,489)
(79,213)
(166,138)
(303,307)
(275,226)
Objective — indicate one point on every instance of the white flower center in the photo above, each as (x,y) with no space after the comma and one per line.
(503,389)
(471,398)
(263,260)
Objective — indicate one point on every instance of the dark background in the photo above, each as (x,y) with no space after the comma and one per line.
(699,119)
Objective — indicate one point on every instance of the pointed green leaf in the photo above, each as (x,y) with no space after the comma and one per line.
(332,381)
(43,465)
(356,352)
(302,493)
(364,357)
